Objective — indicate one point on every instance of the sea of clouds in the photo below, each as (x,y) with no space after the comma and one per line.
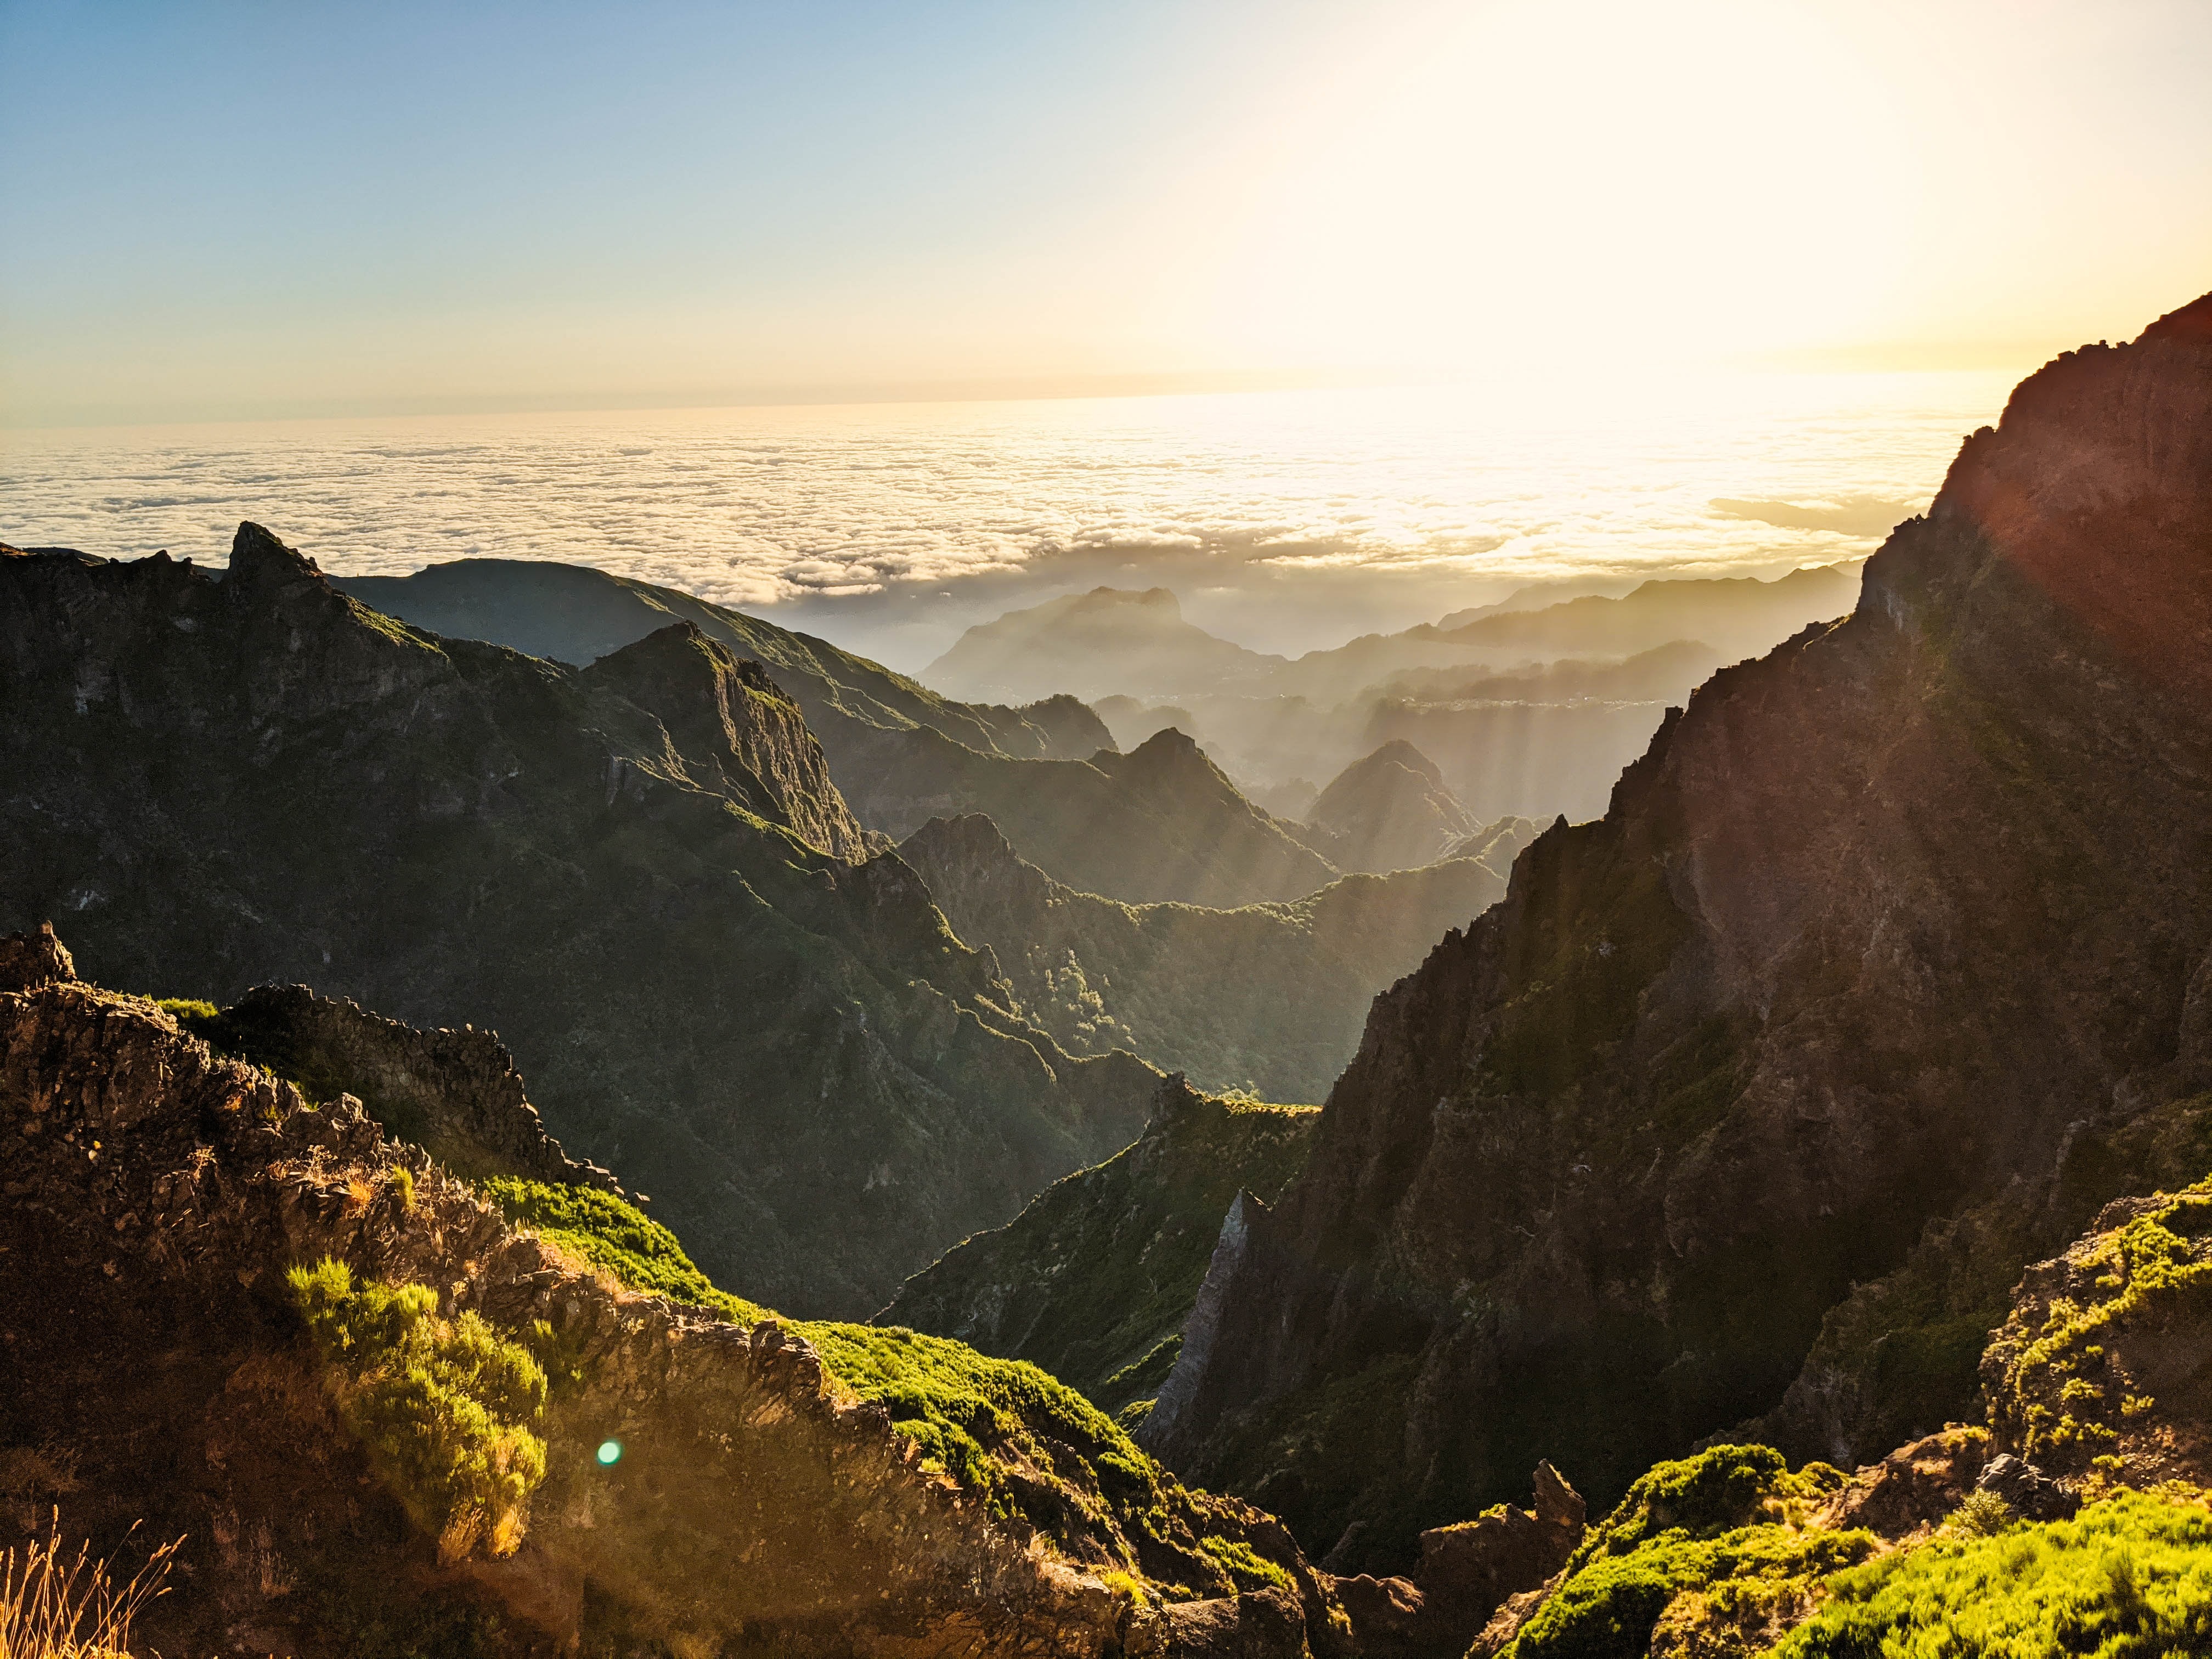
(1285,521)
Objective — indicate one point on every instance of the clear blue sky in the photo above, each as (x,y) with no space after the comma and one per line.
(230,210)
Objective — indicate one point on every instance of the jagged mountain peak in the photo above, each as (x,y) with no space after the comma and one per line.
(260,559)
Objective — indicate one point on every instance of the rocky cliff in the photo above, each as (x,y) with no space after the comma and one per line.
(639,873)
(569,1465)
(1877,926)
(1264,998)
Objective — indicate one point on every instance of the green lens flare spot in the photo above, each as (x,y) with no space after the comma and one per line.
(610,1451)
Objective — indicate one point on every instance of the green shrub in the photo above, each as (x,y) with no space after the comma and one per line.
(1249,1570)
(191,1012)
(617,1236)
(2129,1578)
(440,1406)
(1713,1524)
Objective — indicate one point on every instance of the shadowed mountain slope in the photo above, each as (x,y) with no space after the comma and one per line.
(639,873)
(1160,824)
(1874,929)
(1093,1281)
(1268,998)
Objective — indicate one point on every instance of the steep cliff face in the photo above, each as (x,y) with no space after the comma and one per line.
(1266,998)
(1390,810)
(731,732)
(664,1480)
(1869,931)
(1093,1281)
(637,872)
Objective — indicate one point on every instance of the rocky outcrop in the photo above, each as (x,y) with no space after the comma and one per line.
(1264,998)
(1868,930)
(1466,1573)
(1093,1281)
(733,733)
(455,1094)
(2104,1365)
(224,783)
(705,1487)
(1390,810)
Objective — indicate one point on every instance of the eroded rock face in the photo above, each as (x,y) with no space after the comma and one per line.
(1867,929)
(1093,1280)
(156,1195)
(633,872)
(1467,1574)
(456,1094)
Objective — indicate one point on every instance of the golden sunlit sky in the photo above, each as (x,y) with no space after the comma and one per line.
(219,211)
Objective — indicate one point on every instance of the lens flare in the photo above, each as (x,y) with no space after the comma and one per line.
(610,1451)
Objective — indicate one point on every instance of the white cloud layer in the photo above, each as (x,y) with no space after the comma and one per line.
(1284,520)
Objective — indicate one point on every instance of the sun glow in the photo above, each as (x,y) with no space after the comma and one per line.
(1625,182)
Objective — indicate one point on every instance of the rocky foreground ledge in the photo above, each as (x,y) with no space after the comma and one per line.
(697,1484)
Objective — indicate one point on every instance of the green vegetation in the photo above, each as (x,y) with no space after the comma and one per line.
(1026,1440)
(2061,1386)
(1246,1568)
(617,1237)
(1722,1528)
(2129,1578)
(441,1406)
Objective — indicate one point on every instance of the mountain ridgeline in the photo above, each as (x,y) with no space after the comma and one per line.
(1160,824)
(1915,908)
(1268,999)
(641,873)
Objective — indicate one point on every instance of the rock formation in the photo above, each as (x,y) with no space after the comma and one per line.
(1874,928)
(639,873)
(1266,998)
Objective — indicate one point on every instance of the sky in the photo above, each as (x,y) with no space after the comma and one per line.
(237,211)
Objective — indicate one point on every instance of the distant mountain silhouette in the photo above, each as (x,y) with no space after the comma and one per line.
(1091,644)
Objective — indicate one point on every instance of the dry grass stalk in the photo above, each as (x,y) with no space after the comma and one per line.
(54,1606)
